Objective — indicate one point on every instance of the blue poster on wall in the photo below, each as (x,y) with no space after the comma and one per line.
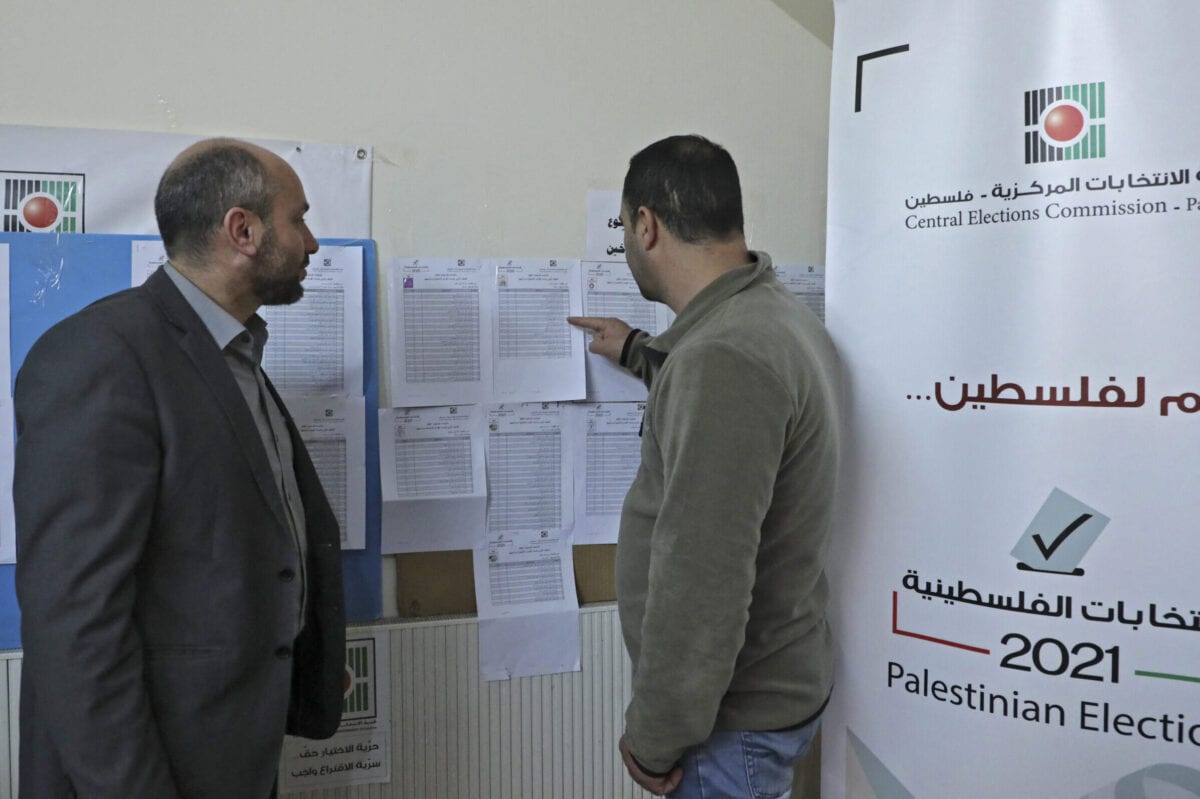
(53,276)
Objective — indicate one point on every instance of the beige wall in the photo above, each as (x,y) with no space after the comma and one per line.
(490,120)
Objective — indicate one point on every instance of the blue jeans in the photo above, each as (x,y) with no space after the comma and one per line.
(744,765)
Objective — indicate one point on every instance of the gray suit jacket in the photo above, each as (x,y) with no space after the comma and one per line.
(156,573)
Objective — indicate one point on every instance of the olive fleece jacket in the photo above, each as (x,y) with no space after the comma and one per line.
(720,576)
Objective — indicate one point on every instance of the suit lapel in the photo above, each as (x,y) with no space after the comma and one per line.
(197,343)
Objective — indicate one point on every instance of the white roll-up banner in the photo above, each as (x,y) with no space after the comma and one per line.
(1014,287)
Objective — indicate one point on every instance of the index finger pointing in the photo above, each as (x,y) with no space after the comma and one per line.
(588,322)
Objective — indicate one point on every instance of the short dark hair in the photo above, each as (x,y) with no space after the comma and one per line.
(195,193)
(691,184)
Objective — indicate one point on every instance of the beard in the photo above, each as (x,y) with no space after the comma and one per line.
(273,280)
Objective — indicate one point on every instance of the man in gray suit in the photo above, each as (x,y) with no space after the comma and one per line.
(178,569)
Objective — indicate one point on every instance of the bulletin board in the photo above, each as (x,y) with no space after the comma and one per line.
(53,276)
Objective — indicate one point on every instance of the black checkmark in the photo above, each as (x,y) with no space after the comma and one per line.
(1047,551)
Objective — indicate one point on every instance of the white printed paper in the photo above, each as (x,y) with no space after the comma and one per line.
(607,446)
(526,646)
(433,478)
(147,255)
(5,337)
(528,610)
(360,752)
(8,527)
(805,281)
(524,573)
(440,310)
(538,356)
(610,290)
(517,574)
(334,433)
(8,522)
(528,468)
(315,345)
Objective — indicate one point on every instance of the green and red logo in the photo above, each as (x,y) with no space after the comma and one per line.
(1065,123)
(42,202)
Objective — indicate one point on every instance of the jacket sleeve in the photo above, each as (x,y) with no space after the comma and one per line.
(633,356)
(85,485)
(720,422)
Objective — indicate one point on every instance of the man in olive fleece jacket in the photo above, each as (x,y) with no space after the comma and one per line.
(720,579)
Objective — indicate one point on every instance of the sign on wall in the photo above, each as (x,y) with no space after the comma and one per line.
(67,180)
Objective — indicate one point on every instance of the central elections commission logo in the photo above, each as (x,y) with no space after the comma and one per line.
(42,202)
(1064,123)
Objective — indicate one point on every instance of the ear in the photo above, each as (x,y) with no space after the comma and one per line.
(242,229)
(647,228)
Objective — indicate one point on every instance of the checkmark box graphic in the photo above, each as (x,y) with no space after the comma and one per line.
(1061,533)
(1047,551)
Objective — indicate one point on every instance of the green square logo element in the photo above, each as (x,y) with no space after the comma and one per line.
(42,202)
(359,698)
(1065,123)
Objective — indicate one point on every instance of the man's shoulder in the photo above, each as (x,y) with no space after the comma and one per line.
(129,315)
(764,333)
(128,310)
(764,318)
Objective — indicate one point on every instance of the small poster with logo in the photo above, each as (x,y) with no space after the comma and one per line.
(74,180)
(360,752)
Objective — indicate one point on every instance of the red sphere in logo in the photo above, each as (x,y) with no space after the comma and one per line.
(1063,123)
(40,212)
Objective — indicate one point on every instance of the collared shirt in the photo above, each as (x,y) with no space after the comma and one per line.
(242,347)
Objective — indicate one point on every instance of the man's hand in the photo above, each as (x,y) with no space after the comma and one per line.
(655,785)
(609,335)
